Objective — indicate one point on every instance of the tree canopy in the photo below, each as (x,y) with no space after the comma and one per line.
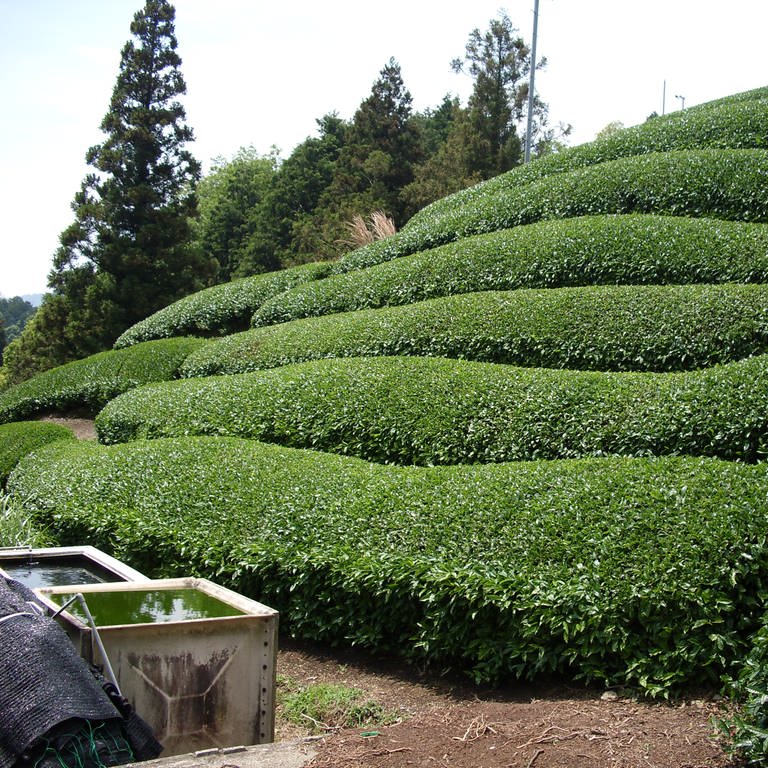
(128,251)
(148,230)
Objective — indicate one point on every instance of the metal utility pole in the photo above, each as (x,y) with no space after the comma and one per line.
(682,101)
(527,156)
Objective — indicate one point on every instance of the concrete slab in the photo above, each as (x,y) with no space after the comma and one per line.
(283,754)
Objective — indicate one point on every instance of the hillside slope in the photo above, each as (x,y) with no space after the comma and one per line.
(583,341)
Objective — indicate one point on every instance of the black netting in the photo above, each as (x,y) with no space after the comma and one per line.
(50,698)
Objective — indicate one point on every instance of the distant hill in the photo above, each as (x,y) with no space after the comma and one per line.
(33,298)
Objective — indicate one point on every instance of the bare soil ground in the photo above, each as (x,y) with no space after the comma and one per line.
(83,429)
(448,723)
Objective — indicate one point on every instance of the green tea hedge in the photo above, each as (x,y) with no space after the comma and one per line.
(720,183)
(221,309)
(650,327)
(723,124)
(21,438)
(591,250)
(93,381)
(436,411)
(648,572)
(747,729)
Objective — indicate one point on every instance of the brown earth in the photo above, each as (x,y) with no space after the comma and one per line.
(83,429)
(440,722)
(444,722)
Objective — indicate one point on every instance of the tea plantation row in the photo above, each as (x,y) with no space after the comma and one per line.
(737,122)
(662,328)
(90,383)
(593,250)
(721,183)
(403,410)
(219,310)
(21,438)
(647,572)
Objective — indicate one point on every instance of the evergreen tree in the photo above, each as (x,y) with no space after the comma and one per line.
(499,60)
(15,313)
(128,251)
(455,164)
(287,224)
(434,125)
(381,147)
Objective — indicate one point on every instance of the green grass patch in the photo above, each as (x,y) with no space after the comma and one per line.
(91,382)
(594,250)
(17,528)
(436,411)
(718,183)
(221,309)
(641,572)
(323,707)
(643,328)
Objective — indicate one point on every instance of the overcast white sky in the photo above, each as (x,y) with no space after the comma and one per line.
(260,72)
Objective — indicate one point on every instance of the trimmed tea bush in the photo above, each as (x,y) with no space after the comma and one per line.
(219,310)
(720,183)
(592,250)
(723,124)
(20,438)
(662,328)
(91,382)
(748,729)
(648,572)
(436,411)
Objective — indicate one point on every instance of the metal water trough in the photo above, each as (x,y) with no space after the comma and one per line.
(49,566)
(199,683)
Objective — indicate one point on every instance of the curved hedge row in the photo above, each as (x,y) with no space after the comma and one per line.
(647,572)
(91,382)
(436,411)
(723,124)
(721,183)
(747,729)
(591,250)
(640,328)
(21,438)
(221,309)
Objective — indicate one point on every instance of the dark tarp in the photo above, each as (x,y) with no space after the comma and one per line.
(46,688)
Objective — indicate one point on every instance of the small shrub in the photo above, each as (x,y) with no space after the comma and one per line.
(91,382)
(747,730)
(17,528)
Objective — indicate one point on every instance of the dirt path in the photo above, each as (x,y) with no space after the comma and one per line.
(83,429)
(446,723)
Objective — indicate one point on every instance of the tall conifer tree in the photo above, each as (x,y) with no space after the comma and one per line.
(128,251)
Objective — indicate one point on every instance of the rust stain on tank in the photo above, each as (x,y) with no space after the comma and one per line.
(181,674)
